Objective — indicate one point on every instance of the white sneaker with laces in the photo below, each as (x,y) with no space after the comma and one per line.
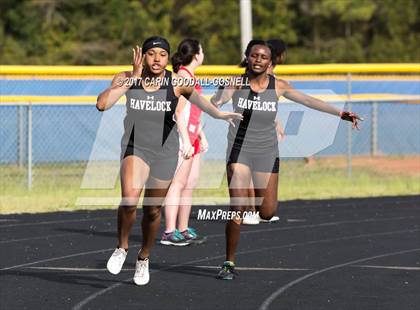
(116,261)
(275,218)
(251,219)
(141,275)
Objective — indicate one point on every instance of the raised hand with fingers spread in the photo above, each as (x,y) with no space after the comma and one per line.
(138,59)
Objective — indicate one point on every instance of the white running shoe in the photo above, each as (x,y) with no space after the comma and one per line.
(275,218)
(251,219)
(142,276)
(116,261)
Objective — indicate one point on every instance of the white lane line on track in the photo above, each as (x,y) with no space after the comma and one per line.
(103,218)
(277,293)
(218,235)
(58,222)
(387,267)
(36,238)
(93,296)
(326,224)
(255,268)
(61,257)
(7,220)
(73,269)
(296,220)
(93,232)
(355,204)
(243,232)
(361,213)
(198,267)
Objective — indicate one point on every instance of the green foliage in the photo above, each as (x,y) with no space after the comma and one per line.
(91,32)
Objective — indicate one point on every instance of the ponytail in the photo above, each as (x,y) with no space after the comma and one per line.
(176,61)
(185,53)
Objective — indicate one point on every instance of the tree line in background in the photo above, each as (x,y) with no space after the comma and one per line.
(99,32)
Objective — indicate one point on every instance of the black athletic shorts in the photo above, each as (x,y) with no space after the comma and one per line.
(162,164)
(266,161)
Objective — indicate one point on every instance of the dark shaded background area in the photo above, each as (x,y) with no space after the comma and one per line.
(102,32)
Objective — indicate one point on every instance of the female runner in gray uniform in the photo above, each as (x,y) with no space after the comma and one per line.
(149,145)
(252,144)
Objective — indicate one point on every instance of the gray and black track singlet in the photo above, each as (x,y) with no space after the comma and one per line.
(256,133)
(149,122)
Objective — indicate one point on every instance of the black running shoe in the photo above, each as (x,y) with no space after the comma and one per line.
(227,272)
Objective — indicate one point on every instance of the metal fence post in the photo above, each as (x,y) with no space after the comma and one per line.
(374,130)
(349,129)
(21,140)
(29,146)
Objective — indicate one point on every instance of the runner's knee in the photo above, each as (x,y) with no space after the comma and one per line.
(180,184)
(130,200)
(151,213)
(192,182)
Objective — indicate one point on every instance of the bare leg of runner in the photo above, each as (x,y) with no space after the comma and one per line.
(154,197)
(186,194)
(239,176)
(173,199)
(134,172)
(266,188)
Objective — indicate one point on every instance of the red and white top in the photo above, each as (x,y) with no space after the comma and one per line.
(193,114)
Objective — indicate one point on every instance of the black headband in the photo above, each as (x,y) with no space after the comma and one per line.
(156,42)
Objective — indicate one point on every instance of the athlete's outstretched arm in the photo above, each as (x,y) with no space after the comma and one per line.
(290,93)
(121,83)
(192,95)
(223,94)
(113,93)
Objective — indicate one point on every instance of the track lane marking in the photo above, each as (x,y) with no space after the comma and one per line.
(93,296)
(58,222)
(213,236)
(193,266)
(282,289)
(62,257)
(387,267)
